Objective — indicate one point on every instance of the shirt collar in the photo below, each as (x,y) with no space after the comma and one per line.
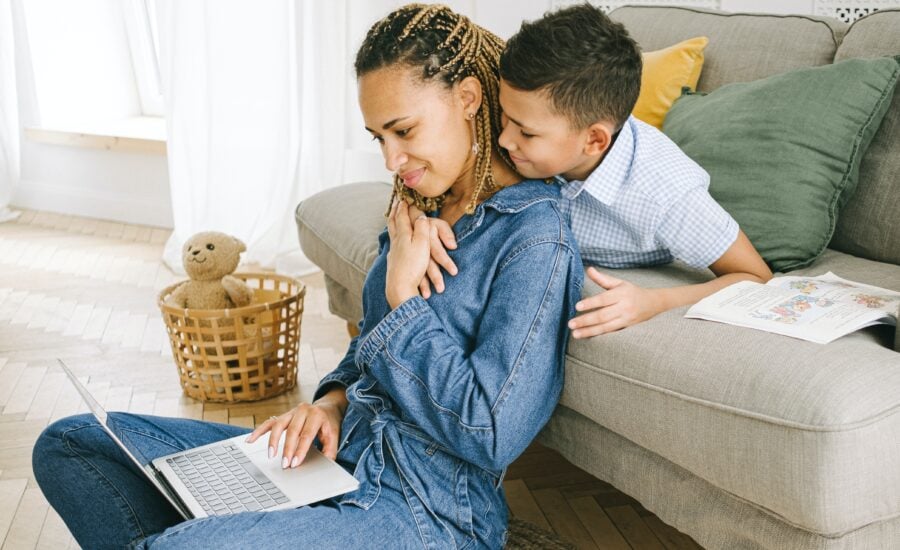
(608,177)
(521,195)
(508,200)
(511,199)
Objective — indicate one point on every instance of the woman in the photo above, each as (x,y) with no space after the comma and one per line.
(434,398)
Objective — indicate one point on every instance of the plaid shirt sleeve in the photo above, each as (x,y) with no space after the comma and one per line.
(696,229)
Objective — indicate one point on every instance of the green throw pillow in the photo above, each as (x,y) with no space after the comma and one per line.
(783,152)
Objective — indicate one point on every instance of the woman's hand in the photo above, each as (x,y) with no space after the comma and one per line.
(410,254)
(441,236)
(302,425)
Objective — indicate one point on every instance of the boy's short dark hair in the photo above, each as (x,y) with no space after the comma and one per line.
(587,64)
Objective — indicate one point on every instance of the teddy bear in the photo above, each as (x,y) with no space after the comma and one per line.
(209,259)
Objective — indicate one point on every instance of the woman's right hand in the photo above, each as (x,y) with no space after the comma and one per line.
(302,425)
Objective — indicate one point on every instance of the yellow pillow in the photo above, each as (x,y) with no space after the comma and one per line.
(665,72)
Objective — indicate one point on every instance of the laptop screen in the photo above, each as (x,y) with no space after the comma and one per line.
(88,398)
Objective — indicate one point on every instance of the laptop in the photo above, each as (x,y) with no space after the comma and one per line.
(232,476)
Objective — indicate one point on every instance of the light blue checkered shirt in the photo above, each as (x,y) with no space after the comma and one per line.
(646,204)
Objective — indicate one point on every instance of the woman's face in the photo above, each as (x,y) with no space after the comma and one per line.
(422,127)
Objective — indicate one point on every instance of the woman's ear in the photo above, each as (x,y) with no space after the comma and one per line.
(599,139)
(470,94)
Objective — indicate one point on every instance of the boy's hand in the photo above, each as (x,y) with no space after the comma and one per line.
(622,305)
(441,238)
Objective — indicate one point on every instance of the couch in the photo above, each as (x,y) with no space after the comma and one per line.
(739,438)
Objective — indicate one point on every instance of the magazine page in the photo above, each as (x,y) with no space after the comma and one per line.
(817,309)
(831,287)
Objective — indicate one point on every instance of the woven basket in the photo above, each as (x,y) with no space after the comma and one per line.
(241,354)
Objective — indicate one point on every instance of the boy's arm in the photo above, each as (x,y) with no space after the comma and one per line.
(624,304)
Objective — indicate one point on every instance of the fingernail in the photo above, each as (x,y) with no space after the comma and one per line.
(571,324)
(294,462)
(248,439)
(284,463)
(271,452)
(579,307)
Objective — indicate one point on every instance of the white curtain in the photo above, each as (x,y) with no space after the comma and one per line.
(254,95)
(9,112)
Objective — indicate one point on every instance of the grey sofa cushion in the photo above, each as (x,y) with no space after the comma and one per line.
(742,47)
(809,432)
(868,225)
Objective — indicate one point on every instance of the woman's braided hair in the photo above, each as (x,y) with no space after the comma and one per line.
(447,46)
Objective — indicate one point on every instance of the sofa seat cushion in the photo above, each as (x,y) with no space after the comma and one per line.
(810,433)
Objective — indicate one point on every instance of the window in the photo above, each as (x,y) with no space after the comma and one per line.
(94,63)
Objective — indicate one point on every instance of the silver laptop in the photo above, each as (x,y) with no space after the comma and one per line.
(232,476)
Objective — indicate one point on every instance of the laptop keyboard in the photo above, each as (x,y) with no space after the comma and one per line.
(224,481)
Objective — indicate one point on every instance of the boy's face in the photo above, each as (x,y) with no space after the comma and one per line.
(541,142)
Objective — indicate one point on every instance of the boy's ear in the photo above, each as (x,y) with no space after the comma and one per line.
(470,93)
(599,139)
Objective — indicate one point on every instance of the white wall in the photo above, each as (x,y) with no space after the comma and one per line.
(111,185)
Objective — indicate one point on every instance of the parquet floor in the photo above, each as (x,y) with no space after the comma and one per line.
(85,290)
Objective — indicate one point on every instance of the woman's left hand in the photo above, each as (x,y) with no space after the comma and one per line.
(410,254)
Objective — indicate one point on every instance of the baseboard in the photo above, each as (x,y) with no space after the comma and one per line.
(88,203)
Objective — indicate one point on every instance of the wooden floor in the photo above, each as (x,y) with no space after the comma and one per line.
(85,290)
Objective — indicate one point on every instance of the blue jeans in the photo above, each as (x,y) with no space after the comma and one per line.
(106,503)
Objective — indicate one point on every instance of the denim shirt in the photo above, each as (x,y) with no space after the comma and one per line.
(452,389)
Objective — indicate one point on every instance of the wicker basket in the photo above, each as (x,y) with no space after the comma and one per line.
(241,354)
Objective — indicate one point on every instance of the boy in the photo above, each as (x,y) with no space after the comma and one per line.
(569,82)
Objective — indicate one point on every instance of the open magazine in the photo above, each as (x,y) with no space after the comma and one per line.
(819,309)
